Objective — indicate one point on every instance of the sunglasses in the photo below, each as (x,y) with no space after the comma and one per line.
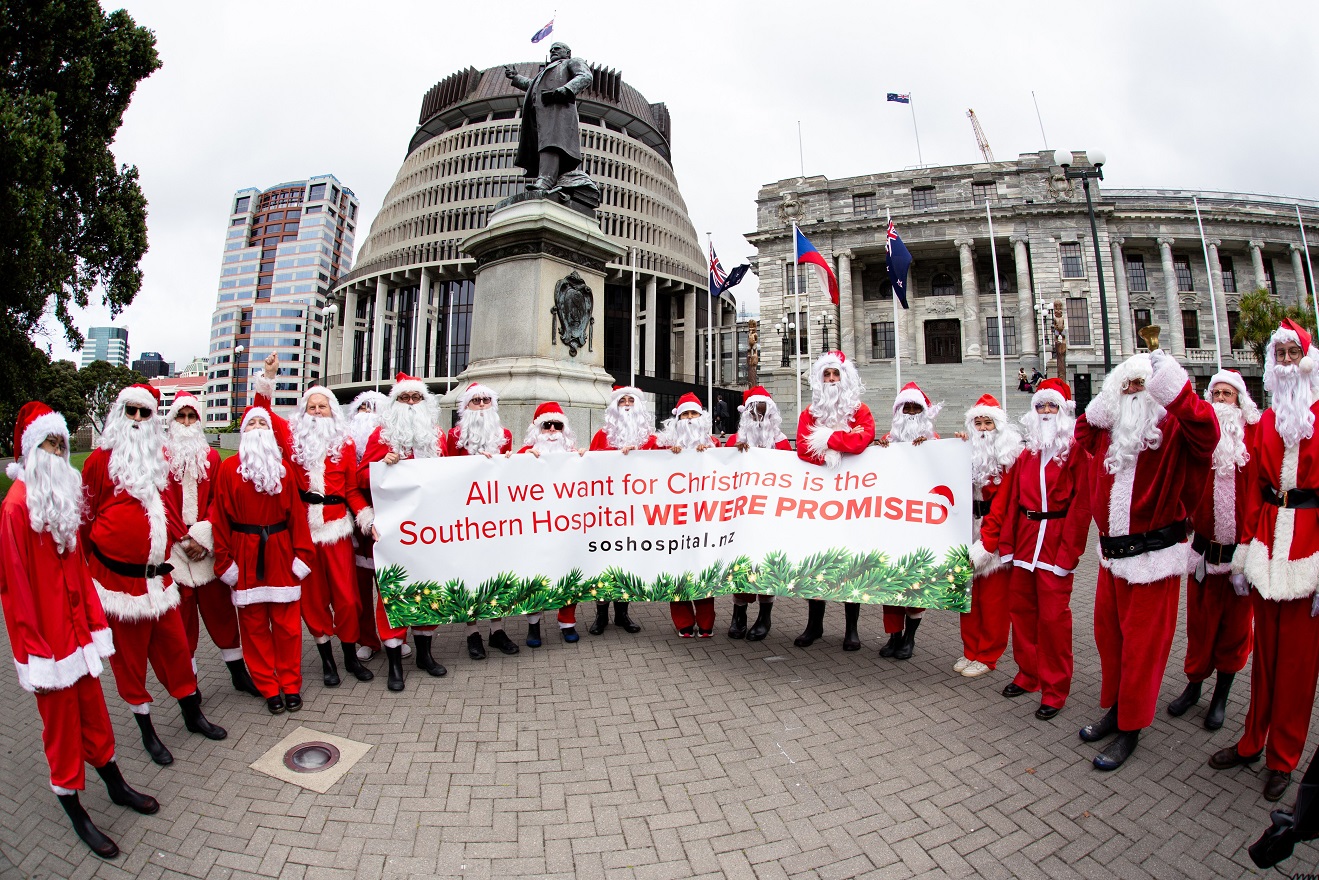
(551,426)
(479,400)
(131,411)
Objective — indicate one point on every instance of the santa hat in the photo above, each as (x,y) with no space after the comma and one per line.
(474,390)
(405,384)
(621,391)
(375,398)
(141,395)
(912,393)
(335,411)
(252,412)
(1290,331)
(1249,409)
(35,423)
(988,406)
(689,402)
(185,399)
(754,395)
(548,412)
(1054,391)
(838,361)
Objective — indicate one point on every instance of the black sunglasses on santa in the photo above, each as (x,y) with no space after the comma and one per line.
(133,411)
(551,426)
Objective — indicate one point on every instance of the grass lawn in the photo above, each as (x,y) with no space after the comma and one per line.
(76,460)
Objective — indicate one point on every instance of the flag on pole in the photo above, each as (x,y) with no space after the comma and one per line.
(898,259)
(806,253)
(543,32)
(893,96)
(721,280)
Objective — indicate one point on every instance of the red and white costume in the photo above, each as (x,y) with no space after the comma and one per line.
(824,437)
(566,442)
(57,631)
(363,419)
(906,428)
(1039,522)
(690,618)
(1138,500)
(261,546)
(456,444)
(766,433)
(633,427)
(1279,556)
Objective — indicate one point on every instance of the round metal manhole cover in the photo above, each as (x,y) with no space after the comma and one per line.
(311,757)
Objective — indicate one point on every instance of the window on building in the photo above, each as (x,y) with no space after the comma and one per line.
(1009,335)
(1232,322)
(1181,266)
(881,340)
(804,344)
(1073,259)
(942,285)
(1136,278)
(1078,320)
(1268,277)
(317,192)
(1191,327)
(1140,318)
(241,205)
(984,193)
(865,205)
(922,198)
(1229,274)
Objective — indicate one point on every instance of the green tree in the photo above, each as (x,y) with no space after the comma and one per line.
(72,220)
(1259,314)
(101,383)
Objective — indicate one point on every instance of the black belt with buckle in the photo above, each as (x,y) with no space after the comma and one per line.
(1292,499)
(131,569)
(1126,546)
(1038,515)
(264,532)
(1214,554)
(980,508)
(318,498)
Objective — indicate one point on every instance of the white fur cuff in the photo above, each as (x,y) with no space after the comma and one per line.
(1103,411)
(300,569)
(366,517)
(263,385)
(817,441)
(1167,381)
(230,576)
(201,533)
(980,557)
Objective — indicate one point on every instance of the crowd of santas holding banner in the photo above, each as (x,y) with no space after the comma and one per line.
(157,537)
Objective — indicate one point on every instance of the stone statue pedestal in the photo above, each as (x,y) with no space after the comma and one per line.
(527,248)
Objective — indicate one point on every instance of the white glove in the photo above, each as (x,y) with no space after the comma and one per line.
(1157,358)
(1240,585)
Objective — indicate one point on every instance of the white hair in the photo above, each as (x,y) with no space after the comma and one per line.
(993,452)
(834,403)
(137,454)
(905,428)
(410,429)
(54,497)
(187,450)
(761,433)
(1231,452)
(1049,435)
(260,461)
(628,427)
(1136,429)
(480,431)
(686,433)
(360,427)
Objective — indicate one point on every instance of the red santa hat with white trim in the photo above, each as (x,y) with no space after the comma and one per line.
(1290,331)
(336,411)
(140,394)
(989,407)
(253,411)
(755,395)
(549,411)
(912,393)
(689,402)
(186,399)
(374,398)
(621,391)
(474,390)
(1054,391)
(405,384)
(1249,409)
(35,423)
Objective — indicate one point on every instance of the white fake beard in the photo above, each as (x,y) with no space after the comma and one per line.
(315,438)
(1292,399)
(361,428)
(554,442)
(687,433)
(259,460)
(54,497)
(631,426)
(905,428)
(761,433)
(1230,453)
(187,450)
(410,430)
(137,455)
(992,453)
(1136,430)
(480,431)
(1049,434)
(834,403)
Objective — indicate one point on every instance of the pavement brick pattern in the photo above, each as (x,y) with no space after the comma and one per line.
(650,757)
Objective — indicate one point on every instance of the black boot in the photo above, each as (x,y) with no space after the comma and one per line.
(500,640)
(851,614)
(87,832)
(241,678)
(903,651)
(1218,702)
(475,647)
(122,794)
(533,635)
(423,654)
(760,628)
(155,748)
(892,645)
(1101,728)
(601,619)
(1118,750)
(621,618)
(1188,698)
(195,721)
(1288,828)
(738,628)
(814,623)
(329,672)
(352,665)
(394,659)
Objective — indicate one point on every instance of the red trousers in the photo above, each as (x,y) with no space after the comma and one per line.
(272,642)
(75,731)
(1282,681)
(895,617)
(366,608)
(395,632)
(216,607)
(700,613)
(568,615)
(985,626)
(330,593)
(1040,608)
(1217,627)
(164,643)
(1134,626)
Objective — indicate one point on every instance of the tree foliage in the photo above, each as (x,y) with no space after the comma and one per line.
(101,383)
(1259,314)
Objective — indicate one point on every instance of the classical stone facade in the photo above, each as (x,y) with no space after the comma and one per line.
(949,338)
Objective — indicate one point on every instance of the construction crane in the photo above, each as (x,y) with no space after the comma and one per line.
(981,141)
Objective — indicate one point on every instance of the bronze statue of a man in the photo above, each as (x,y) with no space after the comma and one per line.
(550,141)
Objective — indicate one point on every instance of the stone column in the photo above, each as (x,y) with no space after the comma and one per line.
(1220,299)
(1025,308)
(860,329)
(1126,334)
(432,327)
(1257,263)
(647,361)
(378,370)
(348,331)
(690,330)
(1298,272)
(423,290)
(846,323)
(1176,334)
(970,298)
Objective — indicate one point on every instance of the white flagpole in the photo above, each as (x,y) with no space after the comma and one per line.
(709,337)
(1305,246)
(998,303)
(911,102)
(1213,303)
(633,378)
(796,318)
(448,367)
(897,334)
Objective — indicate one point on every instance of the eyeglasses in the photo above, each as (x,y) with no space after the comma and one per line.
(479,401)
(551,426)
(131,411)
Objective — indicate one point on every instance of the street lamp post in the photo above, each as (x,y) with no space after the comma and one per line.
(236,406)
(786,330)
(1097,159)
(825,320)
(327,327)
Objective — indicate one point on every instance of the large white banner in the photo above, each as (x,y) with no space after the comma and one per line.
(472,538)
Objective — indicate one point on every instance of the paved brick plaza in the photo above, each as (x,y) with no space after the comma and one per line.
(650,757)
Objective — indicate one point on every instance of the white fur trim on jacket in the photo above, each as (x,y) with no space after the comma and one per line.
(201,533)
(188,489)
(1148,567)
(255,595)
(42,427)
(1276,576)
(196,573)
(366,517)
(46,673)
(323,532)
(817,441)
(264,385)
(984,562)
(300,569)
(157,600)
(1167,382)
(1225,522)
(230,576)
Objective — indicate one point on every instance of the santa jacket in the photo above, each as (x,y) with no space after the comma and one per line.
(328,522)
(1042,485)
(451,446)
(1150,494)
(820,444)
(57,630)
(124,530)
(600,442)
(782,444)
(1222,509)
(237,501)
(376,450)
(193,499)
(985,495)
(1280,546)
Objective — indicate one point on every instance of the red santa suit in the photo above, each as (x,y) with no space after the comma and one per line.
(261,546)
(690,617)
(365,565)
(57,632)
(1039,522)
(1141,514)
(751,397)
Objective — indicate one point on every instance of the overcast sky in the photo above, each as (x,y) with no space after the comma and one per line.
(1208,95)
